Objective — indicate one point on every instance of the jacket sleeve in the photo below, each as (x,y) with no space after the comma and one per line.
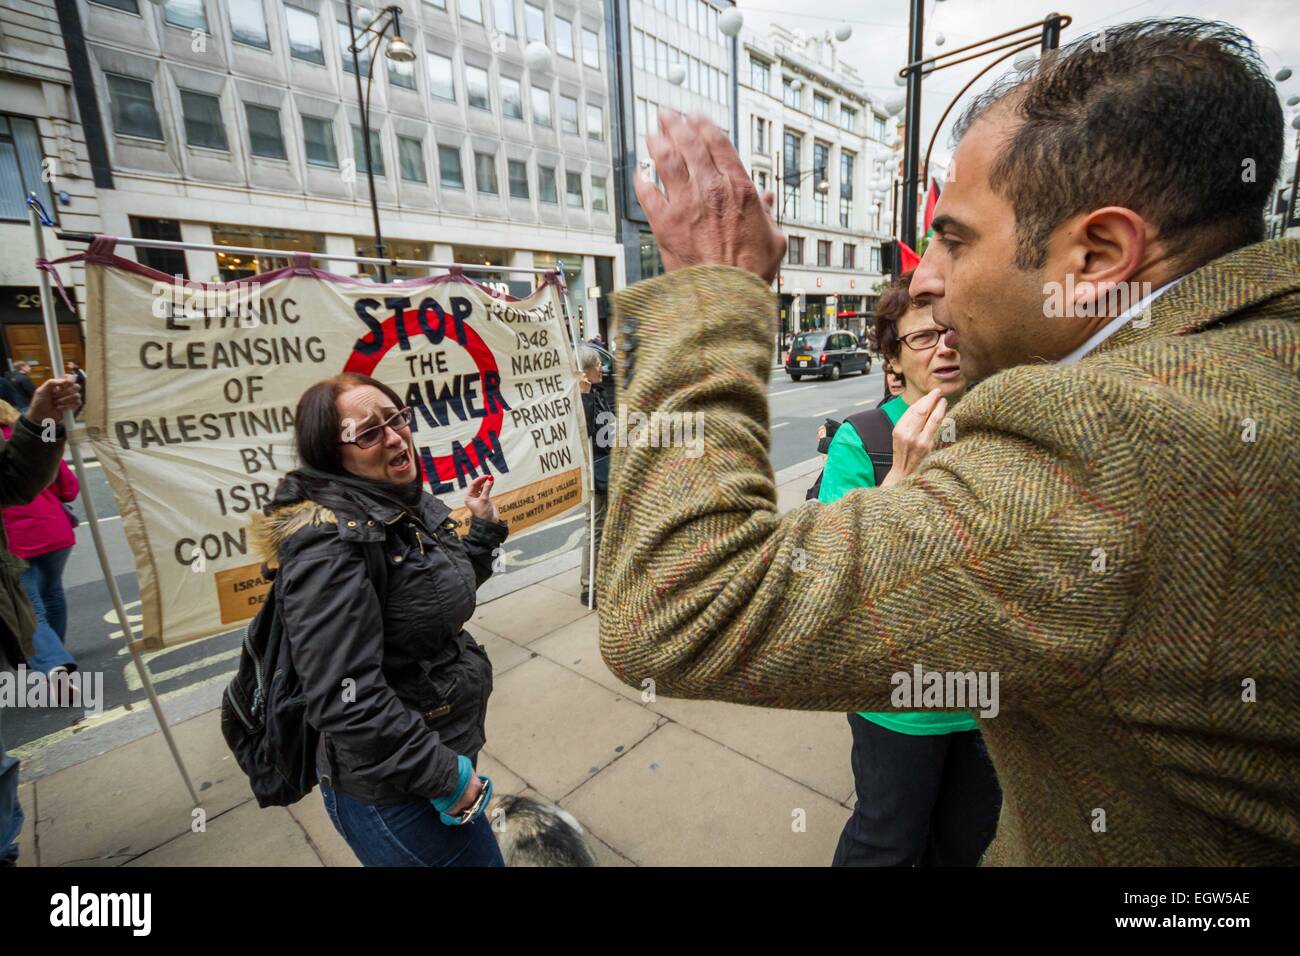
(979,562)
(27,463)
(481,543)
(335,628)
(66,487)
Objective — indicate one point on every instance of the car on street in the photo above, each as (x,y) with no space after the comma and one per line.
(826,355)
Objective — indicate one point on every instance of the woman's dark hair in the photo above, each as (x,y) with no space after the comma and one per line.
(317,425)
(893,305)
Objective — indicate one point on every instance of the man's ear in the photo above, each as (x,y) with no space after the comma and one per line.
(1110,247)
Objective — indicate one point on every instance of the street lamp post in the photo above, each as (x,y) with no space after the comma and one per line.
(397,50)
(823,186)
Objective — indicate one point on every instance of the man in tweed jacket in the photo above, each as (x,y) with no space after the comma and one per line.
(1113,531)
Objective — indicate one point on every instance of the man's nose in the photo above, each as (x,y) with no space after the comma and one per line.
(926,280)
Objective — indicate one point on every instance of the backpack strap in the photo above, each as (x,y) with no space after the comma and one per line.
(877,433)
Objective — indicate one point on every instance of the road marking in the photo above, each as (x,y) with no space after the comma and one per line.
(827,412)
(867,402)
(789,390)
(780,425)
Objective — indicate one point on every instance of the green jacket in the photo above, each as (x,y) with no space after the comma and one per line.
(1117,539)
(27,466)
(849,467)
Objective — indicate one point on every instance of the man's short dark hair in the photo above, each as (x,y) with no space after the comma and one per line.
(1157,116)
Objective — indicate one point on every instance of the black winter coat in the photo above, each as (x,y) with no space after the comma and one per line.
(395,684)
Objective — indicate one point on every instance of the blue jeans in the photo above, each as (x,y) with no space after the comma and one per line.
(11,811)
(43,582)
(409,834)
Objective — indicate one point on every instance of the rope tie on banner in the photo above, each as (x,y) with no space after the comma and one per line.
(45,265)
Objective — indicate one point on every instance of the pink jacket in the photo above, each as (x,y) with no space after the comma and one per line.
(42,526)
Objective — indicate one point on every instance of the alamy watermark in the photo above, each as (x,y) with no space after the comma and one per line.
(27,688)
(232,301)
(963,690)
(1060,300)
(654,430)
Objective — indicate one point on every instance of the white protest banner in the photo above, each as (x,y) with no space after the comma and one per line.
(192,390)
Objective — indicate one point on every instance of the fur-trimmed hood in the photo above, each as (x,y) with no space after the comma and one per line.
(268,532)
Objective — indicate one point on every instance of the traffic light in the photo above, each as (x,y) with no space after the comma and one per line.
(891,258)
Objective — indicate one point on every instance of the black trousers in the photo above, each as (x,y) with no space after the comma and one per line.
(928,800)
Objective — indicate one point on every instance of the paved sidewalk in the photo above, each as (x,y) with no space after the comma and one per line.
(664,782)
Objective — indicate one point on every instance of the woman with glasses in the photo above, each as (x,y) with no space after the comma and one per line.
(374,587)
(926,791)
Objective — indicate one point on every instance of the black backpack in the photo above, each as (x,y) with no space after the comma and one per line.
(264,708)
(877,433)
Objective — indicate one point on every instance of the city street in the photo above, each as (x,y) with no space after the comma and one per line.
(98,643)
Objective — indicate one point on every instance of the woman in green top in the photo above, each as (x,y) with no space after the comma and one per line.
(926,792)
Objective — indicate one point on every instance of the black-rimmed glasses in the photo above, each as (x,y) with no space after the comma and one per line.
(922,340)
(369,437)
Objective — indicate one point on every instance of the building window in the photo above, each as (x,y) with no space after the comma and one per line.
(401,74)
(875,259)
(203,126)
(304,36)
(595,123)
(879,127)
(512,98)
(20,167)
(794,255)
(517,170)
(759,75)
(790,175)
(503,12)
(134,113)
(821,161)
(821,107)
(169,262)
(850,256)
(248,23)
(449,171)
(789,95)
(441,84)
(187,14)
(568,115)
(363,51)
(638,49)
(471,10)
(546,190)
(652,264)
(476,88)
(485,173)
(541,106)
(564,37)
(573,189)
(126,6)
(590,48)
(264,135)
(760,135)
(410,159)
(820,205)
(599,195)
(760,182)
(846,188)
(376,152)
(318,138)
(848,118)
(534,23)
(823,253)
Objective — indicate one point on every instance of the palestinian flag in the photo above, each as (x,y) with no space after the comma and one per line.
(931,200)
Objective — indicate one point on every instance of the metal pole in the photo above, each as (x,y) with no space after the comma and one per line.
(1051,31)
(284,254)
(365,138)
(912,147)
(780,208)
(591,464)
(56,359)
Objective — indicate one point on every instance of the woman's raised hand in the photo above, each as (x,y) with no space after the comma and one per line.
(479,499)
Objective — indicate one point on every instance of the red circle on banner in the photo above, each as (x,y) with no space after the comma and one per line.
(484,361)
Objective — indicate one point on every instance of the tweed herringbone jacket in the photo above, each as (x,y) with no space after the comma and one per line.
(1117,539)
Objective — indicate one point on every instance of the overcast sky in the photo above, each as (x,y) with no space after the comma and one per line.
(878,47)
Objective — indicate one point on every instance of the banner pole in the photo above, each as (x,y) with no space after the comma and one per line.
(591,465)
(69,422)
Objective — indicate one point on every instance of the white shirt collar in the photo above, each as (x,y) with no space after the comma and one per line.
(1115,324)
